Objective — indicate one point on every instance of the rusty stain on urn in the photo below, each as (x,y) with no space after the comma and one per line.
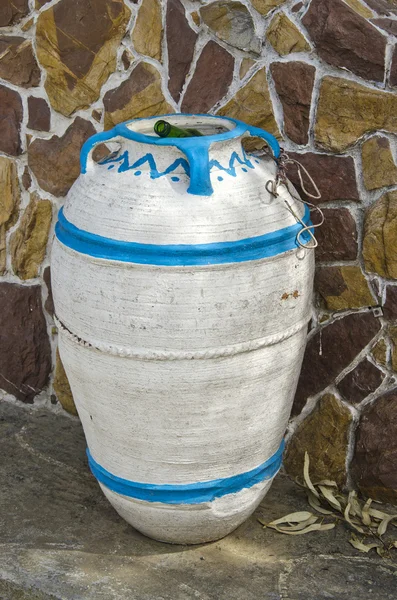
(295,294)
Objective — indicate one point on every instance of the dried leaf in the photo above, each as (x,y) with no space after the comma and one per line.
(383,524)
(314,527)
(306,476)
(296,517)
(365,513)
(356,543)
(299,526)
(315,503)
(355,505)
(330,498)
(348,519)
(379,515)
(327,482)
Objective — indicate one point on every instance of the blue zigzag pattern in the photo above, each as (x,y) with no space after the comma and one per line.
(124,164)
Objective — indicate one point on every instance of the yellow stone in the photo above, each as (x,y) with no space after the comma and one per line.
(356,293)
(347,110)
(196,18)
(62,387)
(10,196)
(28,243)
(66,91)
(148,30)
(253,105)
(147,102)
(379,168)
(265,6)
(245,66)
(379,352)
(285,37)
(26,26)
(324,434)
(359,8)
(380,237)
(232,22)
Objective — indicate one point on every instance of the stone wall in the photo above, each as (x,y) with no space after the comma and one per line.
(321,76)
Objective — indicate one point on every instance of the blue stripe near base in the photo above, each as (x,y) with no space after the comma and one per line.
(255,248)
(192,493)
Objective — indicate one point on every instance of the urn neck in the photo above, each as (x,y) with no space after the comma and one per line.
(217,131)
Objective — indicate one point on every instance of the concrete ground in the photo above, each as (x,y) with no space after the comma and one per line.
(61,539)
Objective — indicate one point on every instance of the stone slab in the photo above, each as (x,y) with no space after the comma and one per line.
(61,540)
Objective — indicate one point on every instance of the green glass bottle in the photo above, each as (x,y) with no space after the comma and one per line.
(165,129)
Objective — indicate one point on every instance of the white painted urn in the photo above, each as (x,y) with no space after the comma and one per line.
(182,299)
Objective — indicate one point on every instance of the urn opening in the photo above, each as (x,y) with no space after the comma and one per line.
(208,125)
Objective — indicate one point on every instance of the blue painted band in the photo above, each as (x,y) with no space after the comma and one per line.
(192,493)
(256,248)
(196,149)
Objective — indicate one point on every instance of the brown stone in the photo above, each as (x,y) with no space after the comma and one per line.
(139,96)
(389,25)
(296,8)
(253,105)
(360,382)
(77,45)
(148,30)
(26,178)
(331,350)
(390,305)
(97,115)
(379,352)
(10,197)
(25,352)
(39,114)
(343,38)
(393,69)
(347,110)
(40,3)
(17,62)
(28,243)
(393,340)
(337,236)
(341,288)
(211,80)
(383,7)
(265,6)
(126,59)
(380,237)
(285,37)
(379,169)
(232,23)
(62,387)
(10,121)
(324,435)
(181,40)
(55,162)
(294,85)
(335,176)
(12,11)
(49,303)
(359,7)
(245,66)
(374,464)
